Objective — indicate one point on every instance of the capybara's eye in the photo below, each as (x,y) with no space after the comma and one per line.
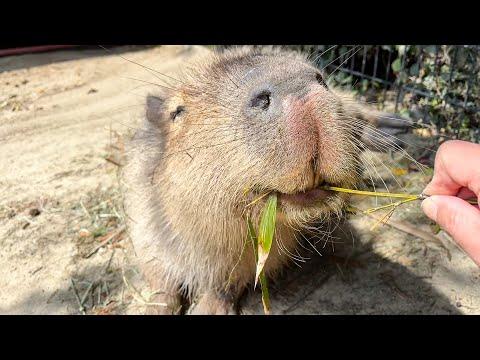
(174,114)
(320,80)
(261,100)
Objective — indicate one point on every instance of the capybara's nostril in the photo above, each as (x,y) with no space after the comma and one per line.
(261,100)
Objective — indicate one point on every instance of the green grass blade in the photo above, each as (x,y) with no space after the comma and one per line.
(265,294)
(266,231)
(263,279)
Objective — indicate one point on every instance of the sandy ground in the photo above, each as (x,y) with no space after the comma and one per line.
(64,117)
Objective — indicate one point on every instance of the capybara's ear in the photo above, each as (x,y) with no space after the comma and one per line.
(156,110)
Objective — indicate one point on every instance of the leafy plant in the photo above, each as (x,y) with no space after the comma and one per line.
(439,84)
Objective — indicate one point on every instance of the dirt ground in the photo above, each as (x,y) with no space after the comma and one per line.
(64,118)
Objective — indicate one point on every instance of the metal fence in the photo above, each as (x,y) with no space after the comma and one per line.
(438,84)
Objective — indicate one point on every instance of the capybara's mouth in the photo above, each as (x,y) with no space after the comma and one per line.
(305,198)
(309,197)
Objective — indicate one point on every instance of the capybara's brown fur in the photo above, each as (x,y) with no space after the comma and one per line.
(236,125)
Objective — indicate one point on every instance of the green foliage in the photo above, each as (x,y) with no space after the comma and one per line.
(448,74)
(266,231)
(397,65)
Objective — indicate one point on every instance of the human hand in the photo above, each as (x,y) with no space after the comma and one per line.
(456,177)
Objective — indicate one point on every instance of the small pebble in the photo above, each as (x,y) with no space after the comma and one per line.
(34,212)
(84,233)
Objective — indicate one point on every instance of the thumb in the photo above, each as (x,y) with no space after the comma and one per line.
(457,217)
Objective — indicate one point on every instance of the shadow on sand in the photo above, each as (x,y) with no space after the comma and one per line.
(352,280)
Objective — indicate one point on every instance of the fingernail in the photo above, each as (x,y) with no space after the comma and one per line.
(429,207)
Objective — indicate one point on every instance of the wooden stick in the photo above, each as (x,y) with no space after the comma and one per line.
(412,230)
(106,241)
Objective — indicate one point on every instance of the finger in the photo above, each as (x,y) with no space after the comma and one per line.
(458,218)
(465,193)
(457,165)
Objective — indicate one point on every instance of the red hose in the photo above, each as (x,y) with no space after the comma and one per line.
(32,49)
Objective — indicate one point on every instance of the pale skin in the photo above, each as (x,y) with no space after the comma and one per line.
(456,177)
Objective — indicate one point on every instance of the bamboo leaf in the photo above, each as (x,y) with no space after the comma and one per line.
(266,231)
(265,294)
(263,279)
